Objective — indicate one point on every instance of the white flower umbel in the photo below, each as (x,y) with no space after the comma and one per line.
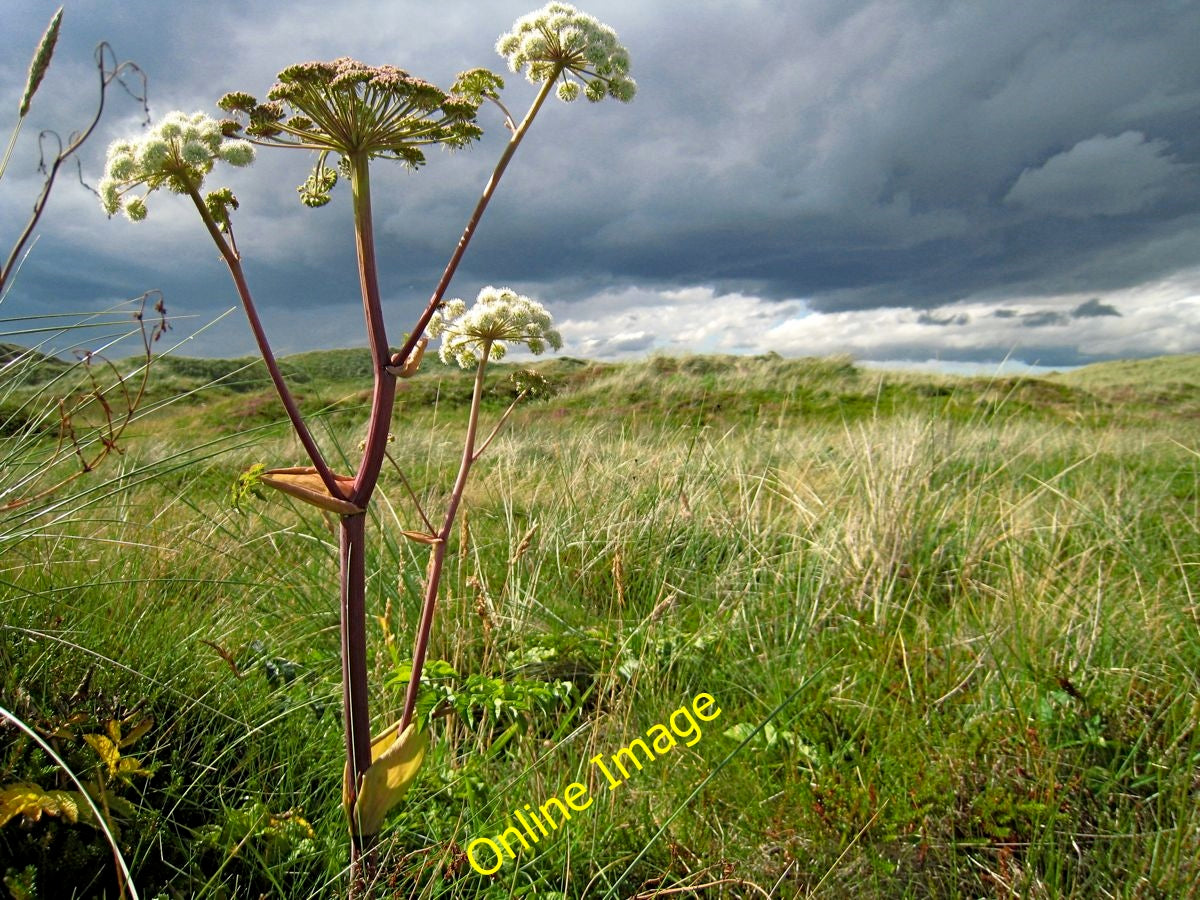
(557,41)
(177,153)
(499,317)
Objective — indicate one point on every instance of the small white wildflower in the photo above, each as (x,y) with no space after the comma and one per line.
(122,166)
(153,153)
(499,317)
(198,155)
(172,126)
(209,131)
(451,309)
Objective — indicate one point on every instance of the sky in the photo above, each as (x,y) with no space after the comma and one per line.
(912,182)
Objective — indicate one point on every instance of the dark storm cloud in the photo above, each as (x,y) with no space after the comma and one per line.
(854,154)
(928,318)
(1094,307)
(1043,319)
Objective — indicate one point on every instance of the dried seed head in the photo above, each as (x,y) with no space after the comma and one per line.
(348,108)
(41,61)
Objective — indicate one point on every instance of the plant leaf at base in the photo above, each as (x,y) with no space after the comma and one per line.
(396,762)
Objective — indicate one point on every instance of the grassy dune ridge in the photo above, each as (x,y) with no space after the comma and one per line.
(984,590)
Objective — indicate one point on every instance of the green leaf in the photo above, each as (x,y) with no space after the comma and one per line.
(248,484)
(738,732)
(120,807)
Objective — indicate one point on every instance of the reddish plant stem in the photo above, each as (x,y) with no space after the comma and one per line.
(438,556)
(355,712)
(234,263)
(383,397)
(355,705)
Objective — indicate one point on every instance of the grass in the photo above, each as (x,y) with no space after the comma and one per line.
(960,613)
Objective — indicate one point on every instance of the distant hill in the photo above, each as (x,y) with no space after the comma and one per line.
(1161,384)
(27,366)
(1154,373)
(688,387)
(248,373)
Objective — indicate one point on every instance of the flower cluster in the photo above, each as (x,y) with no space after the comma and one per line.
(558,39)
(499,316)
(348,108)
(179,152)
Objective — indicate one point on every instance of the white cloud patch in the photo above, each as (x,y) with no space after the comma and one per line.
(1157,318)
(1101,176)
(632,321)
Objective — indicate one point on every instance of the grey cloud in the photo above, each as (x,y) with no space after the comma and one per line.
(1100,176)
(1043,319)
(1094,307)
(629,343)
(928,318)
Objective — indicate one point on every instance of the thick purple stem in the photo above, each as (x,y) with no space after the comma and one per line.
(355,711)
(383,398)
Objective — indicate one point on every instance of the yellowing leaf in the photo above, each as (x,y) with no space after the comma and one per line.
(421,537)
(303,483)
(130,766)
(105,749)
(397,760)
(137,732)
(65,803)
(31,801)
(21,799)
(408,368)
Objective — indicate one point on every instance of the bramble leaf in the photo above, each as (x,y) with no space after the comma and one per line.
(138,731)
(32,802)
(106,750)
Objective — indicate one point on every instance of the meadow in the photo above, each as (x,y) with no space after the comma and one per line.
(950,624)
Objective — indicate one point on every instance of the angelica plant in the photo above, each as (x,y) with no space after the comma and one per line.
(350,114)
